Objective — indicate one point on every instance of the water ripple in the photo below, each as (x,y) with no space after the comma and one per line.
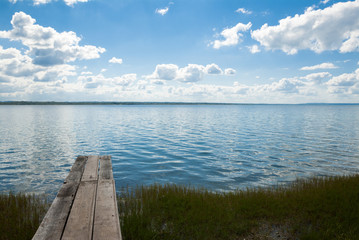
(219,147)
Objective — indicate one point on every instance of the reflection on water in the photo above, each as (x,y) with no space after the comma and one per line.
(219,147)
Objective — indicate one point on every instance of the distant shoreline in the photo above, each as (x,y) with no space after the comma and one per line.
(154,103)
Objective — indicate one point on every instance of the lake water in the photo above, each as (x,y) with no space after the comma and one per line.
(221,147)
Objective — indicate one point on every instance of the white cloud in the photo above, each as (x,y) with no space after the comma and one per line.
(125,80)
(162,11)
(352,42)
(284,90)
(346,79)
(326,65)
(319,30)
(41,68)
(116,60)
(86,73)
(38,2)
(191,73)
(324,1)
(54,73)
(229,71)
(286,85)
(240,88)
(231,35)
(254,49)
(164,72)
(317,78)
(72,2)
(14,66)
(347,83)
(46,46)
(213,69)
(20,77)
(100,81)
(244,11)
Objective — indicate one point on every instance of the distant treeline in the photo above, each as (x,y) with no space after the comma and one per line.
(151,103)
(109,103)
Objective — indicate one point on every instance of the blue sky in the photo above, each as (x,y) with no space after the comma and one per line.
(243,51)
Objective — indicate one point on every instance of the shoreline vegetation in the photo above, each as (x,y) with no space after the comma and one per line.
(151,103)
(21,214)
(313,208)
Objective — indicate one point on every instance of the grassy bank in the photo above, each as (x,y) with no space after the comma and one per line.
(21,215)
(317,208)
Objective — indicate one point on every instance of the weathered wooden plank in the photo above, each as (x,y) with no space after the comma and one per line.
(105,168)
(91,169)
(52,226)
(77,169)
(106,223)
(80,222)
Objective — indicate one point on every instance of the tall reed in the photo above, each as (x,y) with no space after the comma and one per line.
(315,208)
(21,215)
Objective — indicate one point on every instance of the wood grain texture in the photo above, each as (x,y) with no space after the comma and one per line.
(105,168)
(52,226)
(106,223)
(80,222)
(91,169)
(85,207)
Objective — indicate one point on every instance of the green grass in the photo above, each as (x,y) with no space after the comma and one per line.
(316,208)
(21,215)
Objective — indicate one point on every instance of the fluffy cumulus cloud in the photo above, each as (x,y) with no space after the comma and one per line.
(231,35)
(14,65)
(317,78)
(46,46)
(19,76)
(38,2)
(116,60)
(332,28)
(72,2)
(67,2)
(229,71)
(347,83)
(213,69)
(43,66)
(162,11)
(326,65)
(189,73)
(286,85)
(165,72)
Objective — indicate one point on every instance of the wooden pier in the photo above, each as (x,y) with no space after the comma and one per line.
(85,206)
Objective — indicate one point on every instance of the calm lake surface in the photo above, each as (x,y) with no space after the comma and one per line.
(221,147)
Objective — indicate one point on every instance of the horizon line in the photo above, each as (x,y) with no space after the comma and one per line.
(152,103)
